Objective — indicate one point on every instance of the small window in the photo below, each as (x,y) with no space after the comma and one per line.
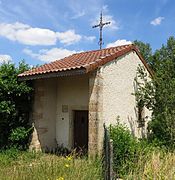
(64,108)
(141,114)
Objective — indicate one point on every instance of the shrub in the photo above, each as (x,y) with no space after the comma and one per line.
(15,98)
(19,137)
(125,148)
(128,150)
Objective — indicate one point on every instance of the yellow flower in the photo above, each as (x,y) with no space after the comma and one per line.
(67,165)
(60,178)
(69,158)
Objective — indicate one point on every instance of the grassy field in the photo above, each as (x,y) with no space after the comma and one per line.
(156,165)
(16,165)
(38,166)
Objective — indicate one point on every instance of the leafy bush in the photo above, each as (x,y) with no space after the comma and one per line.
(125,148)
(15,98)
(128,150)
(20,135)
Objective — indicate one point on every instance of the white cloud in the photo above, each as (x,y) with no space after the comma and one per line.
(119,42)
(28,35)
(5,58)
(107,18)
(68,37)
(78,14)
(113,25)
(49,55)
(25,34)
(157,21)
(89,38)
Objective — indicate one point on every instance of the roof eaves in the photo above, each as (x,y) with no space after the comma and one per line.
(62,73)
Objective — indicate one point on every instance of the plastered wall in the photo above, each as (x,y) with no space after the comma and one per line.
(71,92)
(118,86)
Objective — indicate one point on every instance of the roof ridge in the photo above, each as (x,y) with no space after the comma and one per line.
(105,48)
(97,50)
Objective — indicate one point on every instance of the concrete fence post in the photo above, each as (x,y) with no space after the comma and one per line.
(111,159)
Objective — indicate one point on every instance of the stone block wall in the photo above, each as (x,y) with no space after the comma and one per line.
(37,114)
(95,144)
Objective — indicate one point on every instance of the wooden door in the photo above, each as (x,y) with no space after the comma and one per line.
(81,130)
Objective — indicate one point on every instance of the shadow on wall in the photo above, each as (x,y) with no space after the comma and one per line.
(138,125)
(136,130)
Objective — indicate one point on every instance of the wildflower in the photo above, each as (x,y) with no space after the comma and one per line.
(60,178)
(67,165)
(69,158)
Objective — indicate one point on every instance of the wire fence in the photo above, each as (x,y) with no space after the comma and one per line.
(108,155)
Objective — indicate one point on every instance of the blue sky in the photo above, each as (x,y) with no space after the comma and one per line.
(41,31)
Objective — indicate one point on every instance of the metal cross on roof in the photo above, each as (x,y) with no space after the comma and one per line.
(100,25)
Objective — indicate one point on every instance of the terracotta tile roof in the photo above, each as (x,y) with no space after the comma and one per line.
(88,61)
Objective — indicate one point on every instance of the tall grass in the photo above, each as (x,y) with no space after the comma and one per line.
(139,159)
(158,165)
(38,166)
(150,163)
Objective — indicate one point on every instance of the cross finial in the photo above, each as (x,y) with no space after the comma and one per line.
(100,25)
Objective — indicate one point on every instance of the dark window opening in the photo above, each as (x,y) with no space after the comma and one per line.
(141,114)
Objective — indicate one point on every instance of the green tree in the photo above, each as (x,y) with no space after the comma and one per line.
(159,94)
(145,50)
(15,99)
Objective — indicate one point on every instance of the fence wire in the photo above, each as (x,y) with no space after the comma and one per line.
(108,155)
